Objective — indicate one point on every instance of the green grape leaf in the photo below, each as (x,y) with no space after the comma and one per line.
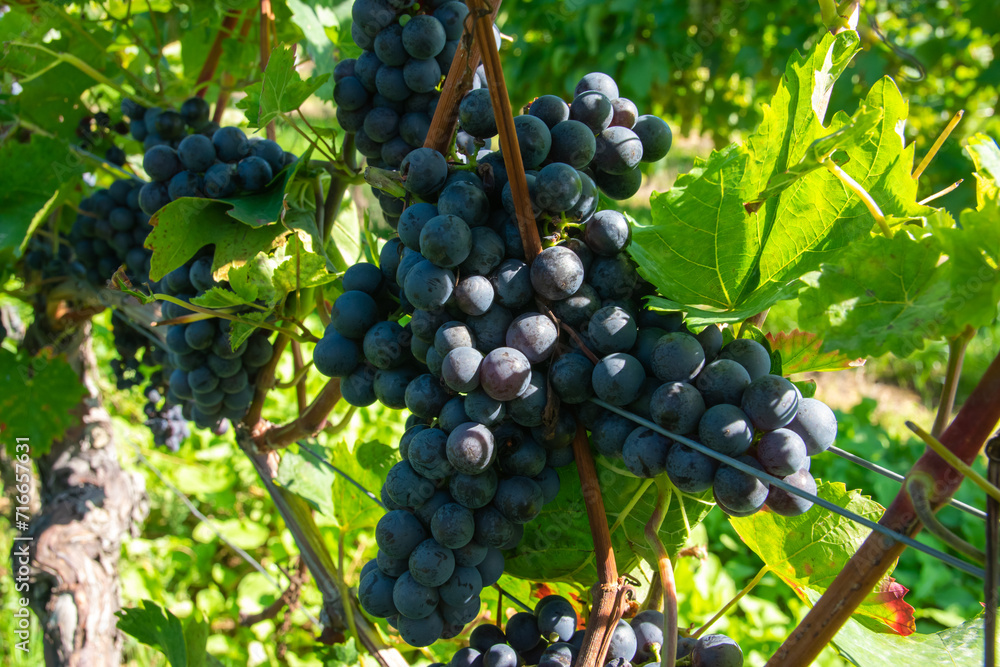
(883,295)
(195,639)
(339,655)
(243,328)
(254,280)
(806,387)
(376,456)
(265,207)
(986,158)
(314,21)
(34,181)
(268,278)
(220,297)
(183,227)
(738,232)
(808,551)
(818,217)
(303,475)
(354,508)
(801,353)
(298,268)
(700,249)
(281,91)
(961,645)
(152,625)
(304,224)
(330,491)
(703,247)
(557,545)
(973,257)
(39,399)
(756,303)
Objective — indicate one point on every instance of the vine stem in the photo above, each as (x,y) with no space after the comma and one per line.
(754,320)
(954,461)
(610,591)
(265,380)
(956,357)
(992,581)
(964,437)
(212,59)
(266,21)
(456,85)
(309,422)
(936,146)
(866,198)
(209,312)
(526,226)
(940,193)
(668,653)
(300,384)
(729,605)
(918,486)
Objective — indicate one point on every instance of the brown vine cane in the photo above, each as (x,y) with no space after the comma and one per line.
(483,32)
(965,437)
(610,593)
(457,83)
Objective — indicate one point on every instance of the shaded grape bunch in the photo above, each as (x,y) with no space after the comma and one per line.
(165,420)
(48,260)
(109,231)
(187,155)
(135,349)
(212,381)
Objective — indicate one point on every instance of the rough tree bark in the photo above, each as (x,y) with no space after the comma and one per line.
(88,505)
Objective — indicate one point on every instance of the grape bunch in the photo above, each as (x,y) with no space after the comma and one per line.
(207,162)
(46,260)
(134,349)
(570,151)
(725,398)
(548,637)
(156,126)
(646,639)
(110,230)
(97,131)
(211,381)
(387,96)
(497,359)
(165,419)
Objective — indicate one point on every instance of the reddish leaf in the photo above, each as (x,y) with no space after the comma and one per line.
(808,551)
(800,353)
(887,605)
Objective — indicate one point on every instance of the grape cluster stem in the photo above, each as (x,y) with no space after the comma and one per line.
(483,27)
(456,85)
(668,656)
(611,593)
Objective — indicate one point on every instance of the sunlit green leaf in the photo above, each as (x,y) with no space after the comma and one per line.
(39,400)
